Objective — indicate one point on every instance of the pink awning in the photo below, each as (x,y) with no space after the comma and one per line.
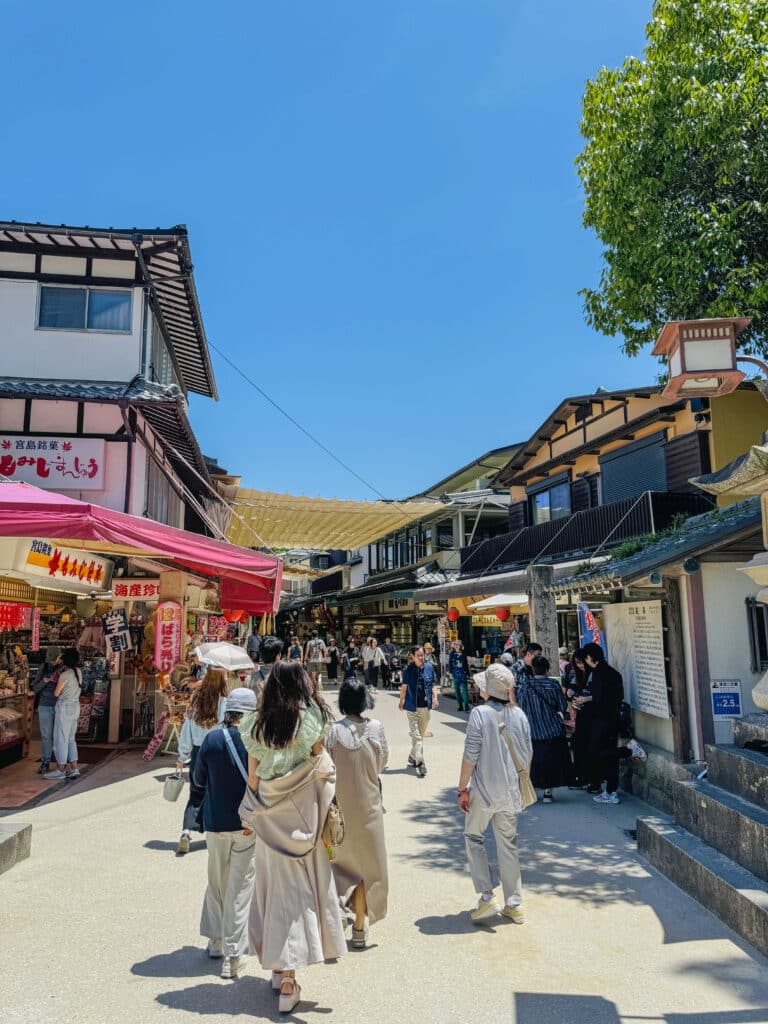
(27,511)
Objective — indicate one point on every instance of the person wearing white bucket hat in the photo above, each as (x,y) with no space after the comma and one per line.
(489,791)
(221,773)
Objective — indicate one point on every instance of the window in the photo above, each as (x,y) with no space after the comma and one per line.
(163,503)
(84,309)
(757,618)
(553,503)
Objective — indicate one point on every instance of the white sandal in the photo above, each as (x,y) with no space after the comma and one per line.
(277,980)
(289,1000)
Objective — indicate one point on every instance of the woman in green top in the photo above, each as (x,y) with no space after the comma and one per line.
(295,914)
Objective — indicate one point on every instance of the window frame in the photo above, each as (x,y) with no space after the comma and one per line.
(87,288)
(756,610)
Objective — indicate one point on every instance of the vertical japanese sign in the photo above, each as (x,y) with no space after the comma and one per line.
(117,634)
(168,633)
(35,645)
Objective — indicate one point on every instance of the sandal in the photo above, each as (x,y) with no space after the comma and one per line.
(289,1000)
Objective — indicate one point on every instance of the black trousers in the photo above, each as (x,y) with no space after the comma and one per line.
(193,812)
(604,756)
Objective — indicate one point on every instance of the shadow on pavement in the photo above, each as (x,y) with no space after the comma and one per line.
(540,1008)
(456,924)
(187,962)
(734,974)
(251,997)
(164,844)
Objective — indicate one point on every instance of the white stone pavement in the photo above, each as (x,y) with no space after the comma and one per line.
(100,924)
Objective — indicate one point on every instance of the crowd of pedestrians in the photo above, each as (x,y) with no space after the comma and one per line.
(290,798)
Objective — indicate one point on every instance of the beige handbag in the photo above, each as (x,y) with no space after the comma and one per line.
(527,792)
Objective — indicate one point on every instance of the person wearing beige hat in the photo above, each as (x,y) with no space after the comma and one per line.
(489,791)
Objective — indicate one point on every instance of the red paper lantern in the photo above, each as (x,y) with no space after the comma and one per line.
(230,615)
(245,616)
(502,614)
(453,615)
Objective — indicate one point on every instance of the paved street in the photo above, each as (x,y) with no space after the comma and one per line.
(100,924)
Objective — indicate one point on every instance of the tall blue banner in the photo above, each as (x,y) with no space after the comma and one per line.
(589,629)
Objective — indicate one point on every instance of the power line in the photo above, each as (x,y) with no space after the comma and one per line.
(296,423)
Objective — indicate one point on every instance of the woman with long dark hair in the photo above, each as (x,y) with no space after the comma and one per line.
(206,710)
(295,914)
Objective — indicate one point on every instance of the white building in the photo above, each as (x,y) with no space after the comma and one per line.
(101,340)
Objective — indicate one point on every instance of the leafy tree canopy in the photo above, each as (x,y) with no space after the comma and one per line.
(675,173)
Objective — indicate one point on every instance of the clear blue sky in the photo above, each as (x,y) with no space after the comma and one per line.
(383,209)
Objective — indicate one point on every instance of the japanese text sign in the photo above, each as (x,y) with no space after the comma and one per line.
(726,699)
(56,463)
(117,635)
(82,570)
(168,633)
(136,590)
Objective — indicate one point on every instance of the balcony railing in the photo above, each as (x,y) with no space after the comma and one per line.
(583,532)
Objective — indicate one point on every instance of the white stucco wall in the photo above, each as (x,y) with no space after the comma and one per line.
(725,589)
(26,351)
(358,573)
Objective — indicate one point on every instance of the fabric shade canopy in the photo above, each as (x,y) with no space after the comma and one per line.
(500,601)
(27,511)
(323,524)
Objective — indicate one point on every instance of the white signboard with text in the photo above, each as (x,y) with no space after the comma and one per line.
(635,639)
(56,463)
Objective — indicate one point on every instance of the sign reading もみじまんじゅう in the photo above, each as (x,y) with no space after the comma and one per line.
(168,631)
(55,463)
(80,569)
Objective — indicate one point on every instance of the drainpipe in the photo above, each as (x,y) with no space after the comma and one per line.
(123,406)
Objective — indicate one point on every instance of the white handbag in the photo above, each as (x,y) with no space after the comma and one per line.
(172,787)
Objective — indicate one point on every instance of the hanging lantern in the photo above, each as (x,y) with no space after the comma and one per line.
(502,614)
(245,616)
(230,615)
(453,615)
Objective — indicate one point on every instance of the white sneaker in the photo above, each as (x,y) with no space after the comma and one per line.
(230,965)
(606,798)
(56,774)
(637,751)
(485,908)
(215,951)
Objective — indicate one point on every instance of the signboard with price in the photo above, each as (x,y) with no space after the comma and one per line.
(726,699)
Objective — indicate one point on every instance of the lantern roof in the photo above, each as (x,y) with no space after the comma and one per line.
(670,332)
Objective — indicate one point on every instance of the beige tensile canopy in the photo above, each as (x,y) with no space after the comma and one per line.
(322,524)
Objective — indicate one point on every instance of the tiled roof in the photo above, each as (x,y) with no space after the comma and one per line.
(697,535)
(162,406)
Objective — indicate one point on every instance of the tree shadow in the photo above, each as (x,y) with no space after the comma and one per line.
(749,978)
(246,996)
(581,857)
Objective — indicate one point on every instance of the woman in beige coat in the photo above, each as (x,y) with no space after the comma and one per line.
(359,750)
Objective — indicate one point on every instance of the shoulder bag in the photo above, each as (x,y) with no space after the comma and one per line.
(527,792)
(233,755)
(173,786)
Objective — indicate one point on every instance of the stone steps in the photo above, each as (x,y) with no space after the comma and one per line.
(743,772)
(729,823)
(15,844)
(729,891)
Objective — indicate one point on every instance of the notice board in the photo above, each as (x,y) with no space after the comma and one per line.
(635,639)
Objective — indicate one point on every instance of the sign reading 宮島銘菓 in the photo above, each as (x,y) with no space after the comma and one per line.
(57,463)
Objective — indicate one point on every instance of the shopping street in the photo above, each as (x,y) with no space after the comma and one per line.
(607,939)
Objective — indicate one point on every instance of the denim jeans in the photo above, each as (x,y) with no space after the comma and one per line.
(461,689)
(46,715)
(64,729)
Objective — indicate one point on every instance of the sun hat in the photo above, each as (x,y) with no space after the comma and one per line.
(241,699)
(563,652)
(496,681)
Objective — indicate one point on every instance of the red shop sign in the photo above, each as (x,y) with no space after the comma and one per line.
(168,634)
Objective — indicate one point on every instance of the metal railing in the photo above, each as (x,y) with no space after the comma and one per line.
(583,532)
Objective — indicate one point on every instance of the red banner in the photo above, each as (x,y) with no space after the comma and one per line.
(168,635)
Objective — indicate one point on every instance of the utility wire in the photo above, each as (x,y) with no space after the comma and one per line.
(298,425)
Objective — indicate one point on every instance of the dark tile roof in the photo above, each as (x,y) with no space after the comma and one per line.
(162,406)
(163,265)
(698,535)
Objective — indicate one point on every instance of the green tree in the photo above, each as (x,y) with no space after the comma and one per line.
(675,173)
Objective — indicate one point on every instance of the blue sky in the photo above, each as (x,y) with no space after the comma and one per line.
(383,209)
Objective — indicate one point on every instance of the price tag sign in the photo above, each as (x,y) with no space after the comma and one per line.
(726,699)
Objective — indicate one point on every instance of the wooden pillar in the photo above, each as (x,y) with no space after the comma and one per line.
(542,611)
(697,625)
(680,718)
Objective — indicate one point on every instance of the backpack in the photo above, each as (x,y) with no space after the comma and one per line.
(624,720)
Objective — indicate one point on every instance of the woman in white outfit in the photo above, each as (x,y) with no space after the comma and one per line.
(66,717)
(489,791)
(295,913)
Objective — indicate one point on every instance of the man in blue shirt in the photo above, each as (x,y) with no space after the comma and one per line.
(221,771)
(417,695)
